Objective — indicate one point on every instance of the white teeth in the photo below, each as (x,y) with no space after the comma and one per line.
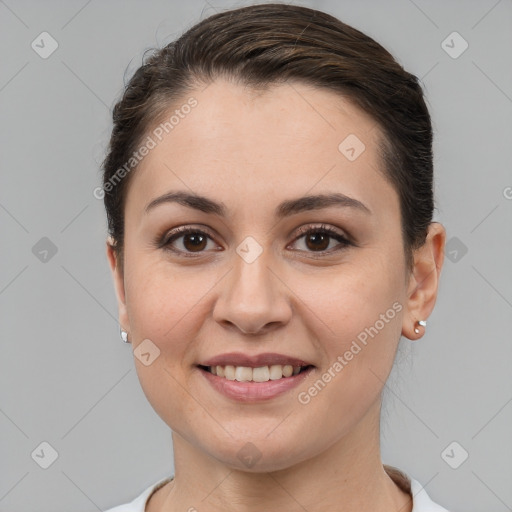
(260,374)
(287,370)
(276,372)
(243,374)
(229,372)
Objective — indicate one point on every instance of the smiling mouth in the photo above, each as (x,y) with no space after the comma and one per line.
(259,374)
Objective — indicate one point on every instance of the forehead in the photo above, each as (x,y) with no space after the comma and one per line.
(287,140)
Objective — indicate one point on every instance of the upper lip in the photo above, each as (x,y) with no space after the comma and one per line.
(240,359)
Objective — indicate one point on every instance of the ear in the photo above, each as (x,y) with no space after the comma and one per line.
(118,277)
(424,281)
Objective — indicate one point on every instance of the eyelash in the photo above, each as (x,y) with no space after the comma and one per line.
(174,235)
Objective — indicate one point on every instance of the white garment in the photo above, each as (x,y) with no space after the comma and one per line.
(421,500)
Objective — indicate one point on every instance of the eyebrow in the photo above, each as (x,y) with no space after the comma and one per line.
(285,209)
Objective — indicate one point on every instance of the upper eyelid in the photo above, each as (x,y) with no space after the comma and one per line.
(302,230)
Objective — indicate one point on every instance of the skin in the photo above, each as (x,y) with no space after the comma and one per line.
(250,151)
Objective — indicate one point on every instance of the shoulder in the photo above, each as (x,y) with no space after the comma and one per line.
(421,501)
(139,503)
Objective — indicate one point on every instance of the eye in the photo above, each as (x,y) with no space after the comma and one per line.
(188,240)
(320,239)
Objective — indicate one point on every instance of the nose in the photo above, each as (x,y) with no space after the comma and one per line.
(253,299)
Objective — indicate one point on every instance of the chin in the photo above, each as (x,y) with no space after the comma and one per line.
(258,454)
(250,459)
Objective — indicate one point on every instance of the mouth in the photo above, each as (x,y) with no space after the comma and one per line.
(245,378)
(257,374)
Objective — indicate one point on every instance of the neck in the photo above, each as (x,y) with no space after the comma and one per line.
(349,476)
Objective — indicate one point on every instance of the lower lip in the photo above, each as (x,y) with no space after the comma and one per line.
(254,391)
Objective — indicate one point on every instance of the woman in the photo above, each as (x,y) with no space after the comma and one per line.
(268,189)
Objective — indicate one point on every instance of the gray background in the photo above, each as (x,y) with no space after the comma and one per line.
(65,376)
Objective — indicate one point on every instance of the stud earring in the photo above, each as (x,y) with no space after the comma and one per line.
(422,323)
(124,335)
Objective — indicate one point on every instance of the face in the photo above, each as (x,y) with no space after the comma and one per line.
(292,262)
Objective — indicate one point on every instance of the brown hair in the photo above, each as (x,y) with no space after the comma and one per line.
(265,44)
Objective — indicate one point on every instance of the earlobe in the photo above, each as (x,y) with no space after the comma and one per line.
(424,282)
(118,278)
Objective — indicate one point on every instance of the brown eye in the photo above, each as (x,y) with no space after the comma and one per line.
(194,242)
(322,240)
(188,240)
(317,241)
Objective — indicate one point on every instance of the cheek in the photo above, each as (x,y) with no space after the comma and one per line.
(161,299)
(353,298)
(357,322)
(163,306)
(358,317)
